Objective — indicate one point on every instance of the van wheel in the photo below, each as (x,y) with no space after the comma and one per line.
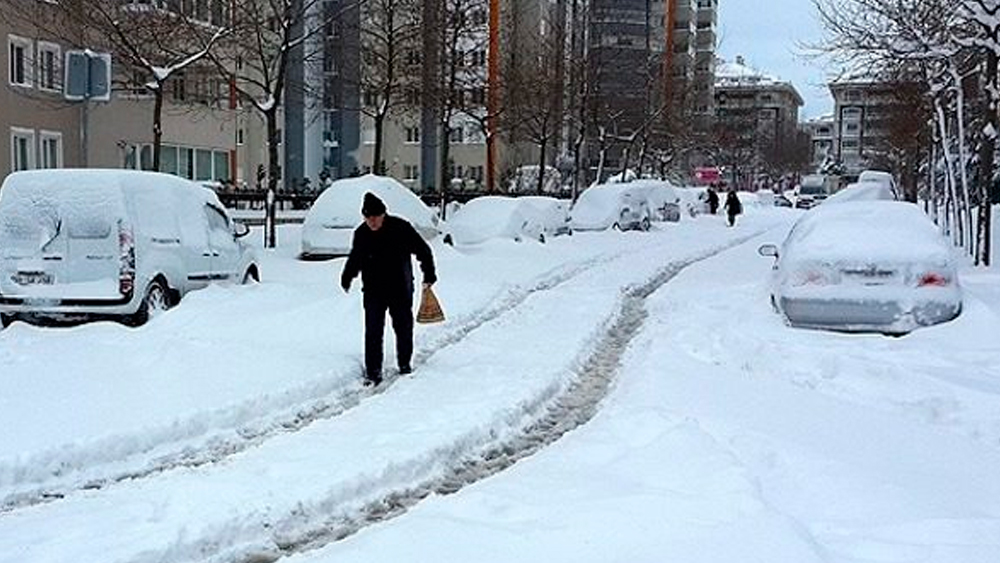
(251,276)
(155,302)
(5,320)
(645,224)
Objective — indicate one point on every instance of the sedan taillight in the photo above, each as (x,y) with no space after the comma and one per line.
(933,279)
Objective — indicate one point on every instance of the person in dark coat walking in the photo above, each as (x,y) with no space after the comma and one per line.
(713,201)
(381,252)
(733,206)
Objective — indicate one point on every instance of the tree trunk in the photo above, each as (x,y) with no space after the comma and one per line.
(377,153)
(273,176)
(952,194)
(157,125)
(987,164)
(540,184)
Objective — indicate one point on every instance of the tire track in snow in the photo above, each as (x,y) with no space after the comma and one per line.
(549,418)
(219,446)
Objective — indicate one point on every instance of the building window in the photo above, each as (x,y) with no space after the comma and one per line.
(411,172)
(456,136)
(239,137)
(412,135)
(19,56)
(22,149)
(51,149)
(48,66)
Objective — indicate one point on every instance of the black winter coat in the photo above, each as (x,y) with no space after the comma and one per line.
(383,258)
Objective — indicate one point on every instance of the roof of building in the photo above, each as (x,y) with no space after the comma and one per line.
(739,74)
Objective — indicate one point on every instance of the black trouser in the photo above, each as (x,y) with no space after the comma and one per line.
(400,309)
(732,219)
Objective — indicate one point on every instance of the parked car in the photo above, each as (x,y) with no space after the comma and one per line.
(490,217)
(813,189)
(863,191)
(123,244)
(606,206)
(554,214)
(877,266)
(664,202)
(878,178)
(328,228)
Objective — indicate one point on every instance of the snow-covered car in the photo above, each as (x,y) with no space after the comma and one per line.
(812,190)
(877,266)
(664,202)
(694,200)
(490,217)
(328,228)
(878,178)
(554,213)
(122,244)
(606,206)
(863,191)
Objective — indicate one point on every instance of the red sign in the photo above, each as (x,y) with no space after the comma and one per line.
(707,175)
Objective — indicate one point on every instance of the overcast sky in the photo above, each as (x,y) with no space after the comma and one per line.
(771,37)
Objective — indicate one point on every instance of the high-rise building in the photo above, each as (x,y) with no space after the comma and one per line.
(652,61)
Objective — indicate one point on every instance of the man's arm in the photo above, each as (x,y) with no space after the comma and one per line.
(353,264)
(422,251)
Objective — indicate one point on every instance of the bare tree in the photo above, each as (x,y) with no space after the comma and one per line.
(947,42)
(269,40)
(390,64)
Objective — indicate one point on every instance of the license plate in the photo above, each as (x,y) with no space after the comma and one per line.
(32,278)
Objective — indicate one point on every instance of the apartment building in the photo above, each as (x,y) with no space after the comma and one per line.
(654,53)
(757,120)
(38,129)
(861,108)
(821,140)
(202,130)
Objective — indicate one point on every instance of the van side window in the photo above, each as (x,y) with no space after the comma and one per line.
(216,219)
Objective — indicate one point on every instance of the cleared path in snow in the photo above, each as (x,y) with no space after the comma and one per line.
(296,487)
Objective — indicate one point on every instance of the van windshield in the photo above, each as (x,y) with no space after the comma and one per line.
(33,217)
(811,190)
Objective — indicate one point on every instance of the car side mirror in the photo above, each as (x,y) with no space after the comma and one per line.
(768,250)
(240,230)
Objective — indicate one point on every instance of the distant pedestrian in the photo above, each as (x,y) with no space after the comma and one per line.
(713,201)
(381,251)
(733,206)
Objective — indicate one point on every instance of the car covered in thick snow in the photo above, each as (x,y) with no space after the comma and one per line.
(605,206)
(863,191)
(856,266)
(880,179)
(123,244)
(554,214)
(328,228)
(491,217)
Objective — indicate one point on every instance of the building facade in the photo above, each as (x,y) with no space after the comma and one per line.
(821,140)
(861,111)
(40,129)
(757,122)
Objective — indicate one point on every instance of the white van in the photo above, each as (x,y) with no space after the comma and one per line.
(125,244)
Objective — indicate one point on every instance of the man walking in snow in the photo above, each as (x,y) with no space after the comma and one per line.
(381,252)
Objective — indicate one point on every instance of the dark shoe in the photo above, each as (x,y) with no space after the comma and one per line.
(372,381)
(405,370)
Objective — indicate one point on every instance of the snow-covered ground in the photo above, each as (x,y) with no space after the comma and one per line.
(656,408)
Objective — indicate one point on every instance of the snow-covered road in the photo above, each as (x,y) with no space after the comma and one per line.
(234,428)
